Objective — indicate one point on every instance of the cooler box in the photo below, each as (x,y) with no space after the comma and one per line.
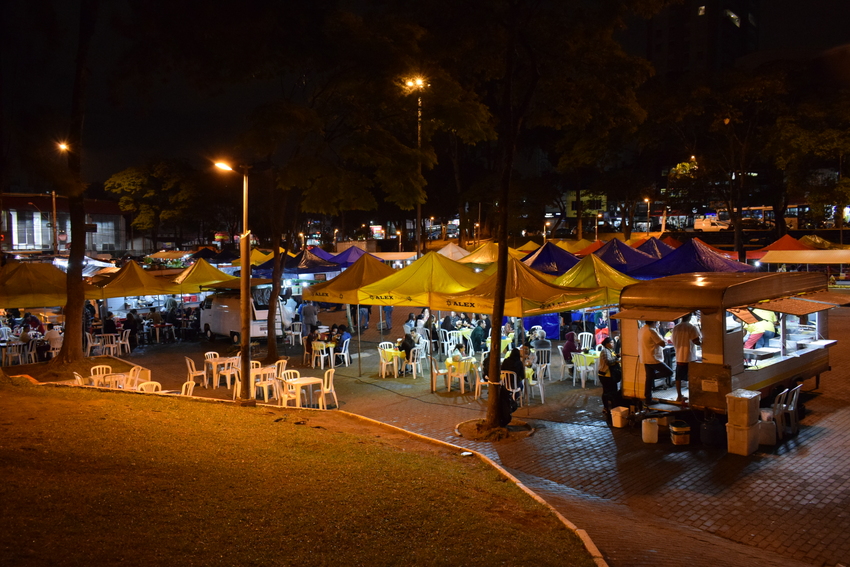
(742,407)
(742,440)
(767,432)
(620,417)
(650,431)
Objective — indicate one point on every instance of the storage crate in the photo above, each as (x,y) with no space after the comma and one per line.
(742,440)
(742,407)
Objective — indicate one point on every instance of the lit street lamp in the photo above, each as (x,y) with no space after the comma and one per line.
(244,290)
(598,218)
(544,231)
(301,234)
(646,200)
(398,233)
(418,84)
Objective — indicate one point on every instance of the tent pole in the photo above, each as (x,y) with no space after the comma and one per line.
(359,351)
(380,320)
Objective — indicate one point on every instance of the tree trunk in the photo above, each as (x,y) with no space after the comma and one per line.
(72,345)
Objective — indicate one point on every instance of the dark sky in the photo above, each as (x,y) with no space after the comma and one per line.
(175,121)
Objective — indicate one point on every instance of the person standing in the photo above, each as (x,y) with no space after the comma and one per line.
(478,336)
(650,345)
(610,373)
(388,316)
(684,336)
(309,317)
(131,323)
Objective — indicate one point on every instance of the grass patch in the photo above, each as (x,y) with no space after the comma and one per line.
(99,478)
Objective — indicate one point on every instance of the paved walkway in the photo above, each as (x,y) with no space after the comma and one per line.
(642,504)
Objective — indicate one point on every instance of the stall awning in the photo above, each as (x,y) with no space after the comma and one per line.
(806,257)
(650,314)
(170,254)
(793,306)
(827,297)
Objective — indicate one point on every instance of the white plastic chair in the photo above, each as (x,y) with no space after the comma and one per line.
(386,359)
(188,388)
(13,352)
(279,367)
(266,380)
(543,357)
(124,342)
(511,384)
(386,345)
(779,412)
(585,340)
(445,343)
(55,349)
(790,411)
(91,344)
(535,380)
(190,364)
(100,370)
(435,372)
(286,392)
(565,366)
(79,380)
(321,354)
(327,388)
(417,353)
(133,378)
(150,387)
(5,333)
(480,381)
(343,353)
(30,353)
(582,366)
(460,370)
(230,370)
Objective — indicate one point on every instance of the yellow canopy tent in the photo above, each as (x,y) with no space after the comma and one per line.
(526,294)
(529,246)
(198,275)
(593,272)
(487,254)
(820,243)
(453,251)
(414,285)
(344,287)
(33,285)
(130,281)
(491,269)
(573,246)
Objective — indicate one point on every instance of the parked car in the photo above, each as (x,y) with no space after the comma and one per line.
(710,224)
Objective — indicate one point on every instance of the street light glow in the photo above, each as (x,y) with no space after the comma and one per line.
(224,166)
(63,146)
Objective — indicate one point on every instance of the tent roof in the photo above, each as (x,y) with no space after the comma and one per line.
(550,259)
(170,254)
(693,256)
(132,280)
(670,241)
(593,247)
(343,288)
(573,246)
(204,253)
(223,257)
(320,252)
(415,284)
(526,294)
(730,254)
(348,257)
(637,241)
(487,254)
(623,257)
(806,257)
(305,262)
(199,274)
(592,271)
(24,284)
(817,242)
(786,242)
(453,251)
(654,247)
(529,246)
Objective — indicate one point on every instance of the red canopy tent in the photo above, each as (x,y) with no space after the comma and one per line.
(785,243)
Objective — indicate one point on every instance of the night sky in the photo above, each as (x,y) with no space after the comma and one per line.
(175,121)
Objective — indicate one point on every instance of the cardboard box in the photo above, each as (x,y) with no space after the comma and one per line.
(742,440)
(742,407)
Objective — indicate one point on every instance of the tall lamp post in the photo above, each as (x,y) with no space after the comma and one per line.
(244,291)
(544,231)
(648,222)
(598,218)
(418,84)
(398,233)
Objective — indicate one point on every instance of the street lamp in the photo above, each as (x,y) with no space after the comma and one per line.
(598,218)
(544,231)
(301,234)
(418,84)
(398,233)
(335,231)
(646,200)
(244,290)
(477,234)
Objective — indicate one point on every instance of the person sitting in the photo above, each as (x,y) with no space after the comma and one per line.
(312,335)
(109,327)
(570,347)
(26,334)
(478,336)
(407,345)
(53,336)
(155,316)
(344,335)
(539,340)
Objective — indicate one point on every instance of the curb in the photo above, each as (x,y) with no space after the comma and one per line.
(591,548)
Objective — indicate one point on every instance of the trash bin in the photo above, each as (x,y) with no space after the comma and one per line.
(680,432)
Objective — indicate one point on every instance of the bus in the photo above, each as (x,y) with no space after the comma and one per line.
(797,216)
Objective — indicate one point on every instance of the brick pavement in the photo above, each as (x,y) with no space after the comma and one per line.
(642,504)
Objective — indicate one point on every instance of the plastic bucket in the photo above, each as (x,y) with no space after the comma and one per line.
(650,431)
(680,432)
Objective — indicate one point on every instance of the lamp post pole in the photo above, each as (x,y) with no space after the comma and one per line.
(244,293)
(647,216)
(398,233)
(598,216)
(544,231)
(55,226)
(418,84)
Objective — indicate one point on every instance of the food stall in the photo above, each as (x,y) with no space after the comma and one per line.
(721,301)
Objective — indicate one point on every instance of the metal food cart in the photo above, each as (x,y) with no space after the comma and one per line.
(799,351)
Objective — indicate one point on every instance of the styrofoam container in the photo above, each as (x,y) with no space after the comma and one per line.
(620,417)
(742,407)
(680,433)
(649,429)
(767,432)
(742,440)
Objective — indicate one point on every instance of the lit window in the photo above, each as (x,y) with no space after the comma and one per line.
(734,17)
(701,11)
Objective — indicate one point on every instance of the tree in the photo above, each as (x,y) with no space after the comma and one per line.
(158,193)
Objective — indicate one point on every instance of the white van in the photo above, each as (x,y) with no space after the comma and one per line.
(221,315)
(709,224)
